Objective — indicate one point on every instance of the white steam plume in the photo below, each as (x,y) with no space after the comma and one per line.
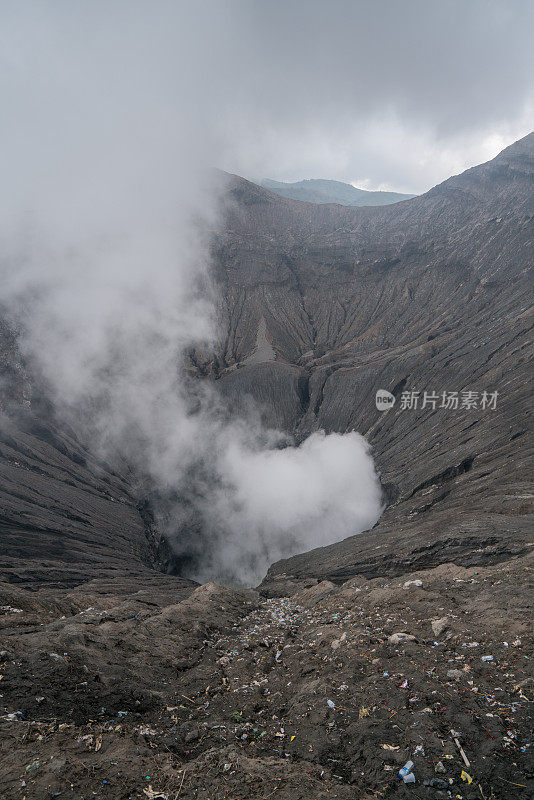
(275,503)
(107,319)
(104,265)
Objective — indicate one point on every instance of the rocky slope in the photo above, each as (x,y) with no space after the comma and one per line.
(433,294)
(65,517)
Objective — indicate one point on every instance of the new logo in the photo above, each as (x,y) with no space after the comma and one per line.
(384,400)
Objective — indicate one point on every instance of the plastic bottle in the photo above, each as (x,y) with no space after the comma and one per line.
(407,768)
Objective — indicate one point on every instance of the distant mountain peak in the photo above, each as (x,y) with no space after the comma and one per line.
(322,191)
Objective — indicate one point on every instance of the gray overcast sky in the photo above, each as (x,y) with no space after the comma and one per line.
(385,94)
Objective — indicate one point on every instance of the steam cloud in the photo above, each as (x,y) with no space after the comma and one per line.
(106,316)
(278,502)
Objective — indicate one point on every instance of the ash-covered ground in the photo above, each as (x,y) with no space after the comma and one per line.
(131,689)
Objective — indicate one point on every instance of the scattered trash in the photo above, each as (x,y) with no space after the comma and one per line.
(280,666)
(486,658)
(406,769)
(437,783)
(146,730)
(153,794)
(12,717)
(415,582)
(336,644)
(397,638)
(455,735)
(57,657)
(455,673)
(440,625)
